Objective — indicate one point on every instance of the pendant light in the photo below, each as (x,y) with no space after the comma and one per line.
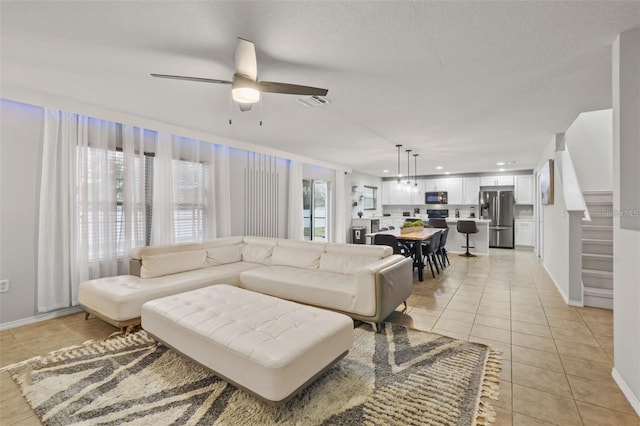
(415,170)
(399,175)
(408,172)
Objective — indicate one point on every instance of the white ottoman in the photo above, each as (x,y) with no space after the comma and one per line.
(267,346)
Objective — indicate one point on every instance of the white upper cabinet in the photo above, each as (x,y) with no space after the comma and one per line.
(453,186)
(471,191)
(496,181)
(394,193)
(524,189)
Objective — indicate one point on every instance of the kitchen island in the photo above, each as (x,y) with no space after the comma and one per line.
(456,241)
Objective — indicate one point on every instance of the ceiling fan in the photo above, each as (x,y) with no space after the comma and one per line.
(245,87)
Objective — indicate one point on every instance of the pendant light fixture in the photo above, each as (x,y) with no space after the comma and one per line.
(408,172)
(415,170)
(399,175)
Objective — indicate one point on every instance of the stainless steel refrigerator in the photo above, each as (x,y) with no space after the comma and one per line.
(497,206)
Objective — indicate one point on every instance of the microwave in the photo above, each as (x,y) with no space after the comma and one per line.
(435,197)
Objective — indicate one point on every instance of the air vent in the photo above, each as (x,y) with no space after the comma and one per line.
(312,101)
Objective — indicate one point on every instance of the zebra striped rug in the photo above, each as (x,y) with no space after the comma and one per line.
(400,376)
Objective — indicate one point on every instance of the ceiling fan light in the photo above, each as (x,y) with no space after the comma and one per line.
(245,95)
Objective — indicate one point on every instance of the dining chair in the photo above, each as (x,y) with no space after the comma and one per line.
(399,247)
(429,252)
(441,251)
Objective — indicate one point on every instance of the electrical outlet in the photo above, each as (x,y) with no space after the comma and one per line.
(4,286)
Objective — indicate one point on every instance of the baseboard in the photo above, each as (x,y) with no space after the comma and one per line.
(598,297)
(626,390)
(555,283)
(38,318)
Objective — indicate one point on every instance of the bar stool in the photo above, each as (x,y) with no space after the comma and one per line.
(467,227)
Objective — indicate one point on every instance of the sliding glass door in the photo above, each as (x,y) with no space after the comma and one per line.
(315,201)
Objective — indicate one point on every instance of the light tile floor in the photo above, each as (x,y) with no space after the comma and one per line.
(557,359)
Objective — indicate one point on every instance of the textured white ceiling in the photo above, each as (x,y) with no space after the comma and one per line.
(463,84)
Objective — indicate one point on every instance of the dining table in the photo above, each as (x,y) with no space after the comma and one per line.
(415,237)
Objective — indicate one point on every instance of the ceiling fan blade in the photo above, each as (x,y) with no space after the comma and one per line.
(290,89)
(246,63)
(244,107)
(200,79)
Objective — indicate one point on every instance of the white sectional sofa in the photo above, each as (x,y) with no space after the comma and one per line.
(364,282)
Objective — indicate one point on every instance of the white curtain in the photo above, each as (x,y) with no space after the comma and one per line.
(56,234)
(340,211)
(133,204)
(162,229)
(96,192)
(295,226)
(222,192)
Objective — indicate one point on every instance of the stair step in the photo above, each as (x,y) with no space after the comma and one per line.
(599,262)
(599,220)
(597,279)
(597,232)
(601,210)
(598,297)
(598,196)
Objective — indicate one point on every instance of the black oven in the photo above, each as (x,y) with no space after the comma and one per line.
(435,197)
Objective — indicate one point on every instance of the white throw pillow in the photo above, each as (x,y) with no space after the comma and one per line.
(224,255)
(158,265)
(286,256)
(345,264)
(257,253)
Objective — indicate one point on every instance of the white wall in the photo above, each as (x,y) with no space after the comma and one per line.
(20,158)
(590,142)
(359,180)
(556,230)
(626,242)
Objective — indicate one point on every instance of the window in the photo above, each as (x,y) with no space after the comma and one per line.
(315,207)
(106,222)
(190,200)
(369,197)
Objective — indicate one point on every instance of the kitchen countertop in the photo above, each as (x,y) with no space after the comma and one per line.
(456,219)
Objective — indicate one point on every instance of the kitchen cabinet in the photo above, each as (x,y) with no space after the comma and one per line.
(524,232)
(524,193)
(471,190)
(496,181)
(453,187)
(394,193)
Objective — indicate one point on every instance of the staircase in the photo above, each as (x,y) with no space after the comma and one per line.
(597,250)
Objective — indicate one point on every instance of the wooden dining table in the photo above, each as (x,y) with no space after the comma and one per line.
(415,237)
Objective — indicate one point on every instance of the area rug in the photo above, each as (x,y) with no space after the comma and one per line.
(399,376)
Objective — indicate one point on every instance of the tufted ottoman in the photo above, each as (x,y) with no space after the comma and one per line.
(267,346)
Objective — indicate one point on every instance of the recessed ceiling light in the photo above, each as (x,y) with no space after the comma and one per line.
(439,168)
(500,163)
(385,171)
(502,170)
(447,173)
(512,162)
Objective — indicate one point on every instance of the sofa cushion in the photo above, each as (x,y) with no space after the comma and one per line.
(321,288)
(222,242)
(285,256)
(225,254)
(359,250)
(138,252)
(303,245)
(344,263)
(157,265)
(258,250)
